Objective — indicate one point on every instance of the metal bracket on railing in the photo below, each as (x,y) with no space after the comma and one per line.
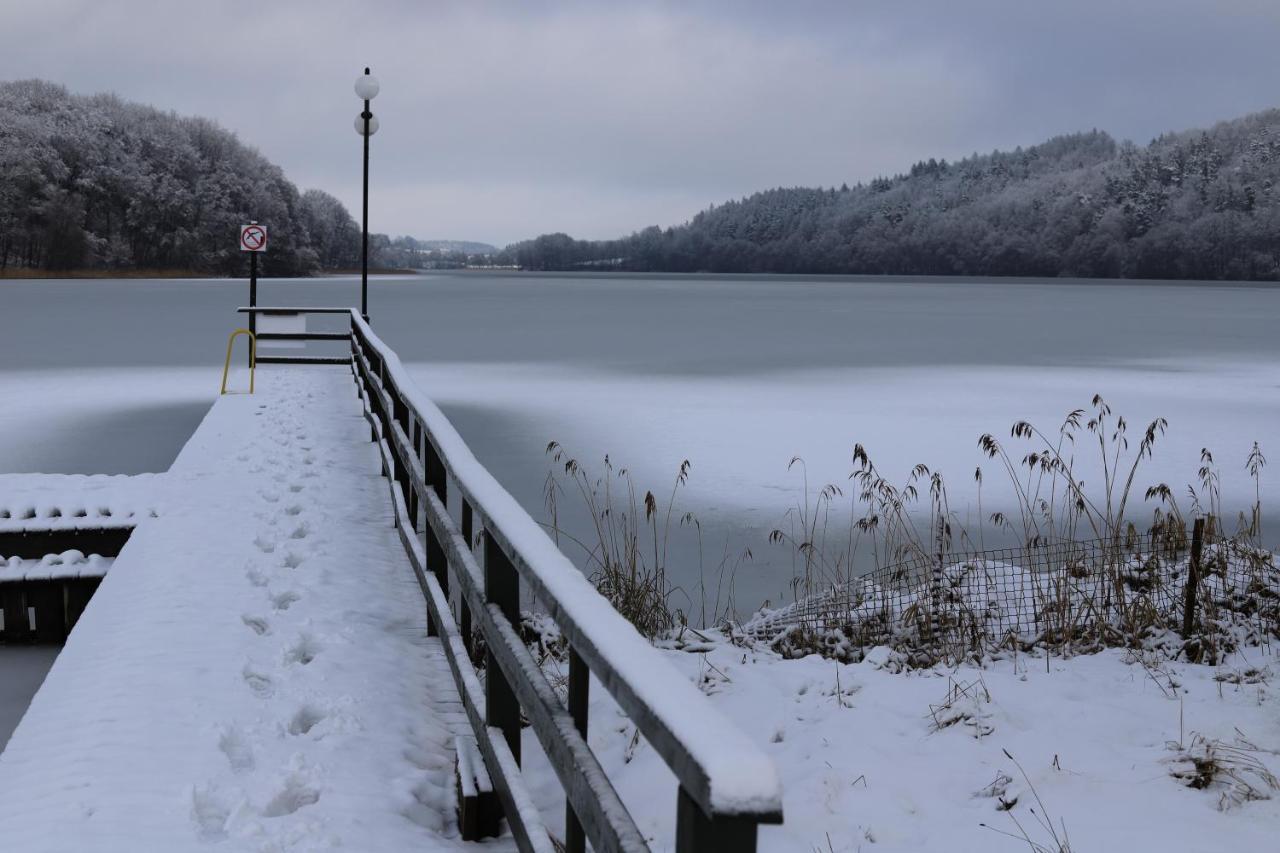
(253,356)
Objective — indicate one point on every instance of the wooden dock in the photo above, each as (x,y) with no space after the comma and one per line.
(284,652)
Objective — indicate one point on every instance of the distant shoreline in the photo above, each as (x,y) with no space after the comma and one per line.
(115,275)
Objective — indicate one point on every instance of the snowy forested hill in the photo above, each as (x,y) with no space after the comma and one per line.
(1199,205)
(98,182)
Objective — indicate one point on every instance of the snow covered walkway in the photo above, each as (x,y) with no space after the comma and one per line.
(253,673)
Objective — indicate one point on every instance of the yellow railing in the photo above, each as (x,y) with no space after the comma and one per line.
(253,356)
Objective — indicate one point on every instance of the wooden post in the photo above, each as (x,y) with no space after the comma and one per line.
(16,625)
(415,434)
(464,620)
(501,587)
(435,475)
(697,833)
(575,841)
(1193,582)
(79,591)
(51,611)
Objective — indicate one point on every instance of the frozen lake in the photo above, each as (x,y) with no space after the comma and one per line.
(22,669)
(736,374)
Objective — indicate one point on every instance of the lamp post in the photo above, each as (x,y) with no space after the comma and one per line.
(366,126)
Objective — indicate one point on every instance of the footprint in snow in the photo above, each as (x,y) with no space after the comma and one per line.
(261,685)
(302,652)
(284,600)
(265,545)
(235,747)
(300,532)
(209,812)
(295,795)
(305,720)
(257,624)
(296,487)
(296,509)
(292,560)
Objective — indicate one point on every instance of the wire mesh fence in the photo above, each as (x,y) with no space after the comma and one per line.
(1105,592)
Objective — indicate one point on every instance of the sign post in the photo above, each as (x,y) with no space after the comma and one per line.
(253,239)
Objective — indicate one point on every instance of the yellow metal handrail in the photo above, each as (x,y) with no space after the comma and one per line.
(253,357)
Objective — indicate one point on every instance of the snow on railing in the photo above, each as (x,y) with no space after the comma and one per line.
(727,785)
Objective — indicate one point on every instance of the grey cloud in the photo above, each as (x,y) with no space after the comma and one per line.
(503,121)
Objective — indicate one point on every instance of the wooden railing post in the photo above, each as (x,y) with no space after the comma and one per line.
(415,434)
(697,833)
(464,610)
(399,414)
(501,587)
(575,840)
(437,480)
(485,572)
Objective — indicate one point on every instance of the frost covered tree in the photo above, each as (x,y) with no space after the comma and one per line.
(97,182)
(1201,204)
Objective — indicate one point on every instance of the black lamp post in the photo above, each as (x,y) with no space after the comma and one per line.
(366,126)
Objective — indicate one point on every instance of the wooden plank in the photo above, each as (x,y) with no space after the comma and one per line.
(79,591)
(302,336)
(303,359)
(32,544)
(16,625)
(287,309)
(479,815)
(697,833)
(51,612)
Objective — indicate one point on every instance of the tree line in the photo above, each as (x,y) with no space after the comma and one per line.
(95,182)
(1193,205)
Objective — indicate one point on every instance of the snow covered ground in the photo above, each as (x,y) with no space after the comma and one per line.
(877,760)
(253,673)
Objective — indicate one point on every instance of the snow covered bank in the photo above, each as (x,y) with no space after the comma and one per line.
(740,431)
(873,759)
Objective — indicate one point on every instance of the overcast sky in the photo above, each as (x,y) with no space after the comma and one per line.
(505,120)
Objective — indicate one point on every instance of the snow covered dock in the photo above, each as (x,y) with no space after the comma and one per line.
(283,654)
(255,668)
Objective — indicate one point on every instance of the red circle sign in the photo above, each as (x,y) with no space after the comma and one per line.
(253,238)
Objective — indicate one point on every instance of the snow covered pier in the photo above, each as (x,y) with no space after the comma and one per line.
(281,656)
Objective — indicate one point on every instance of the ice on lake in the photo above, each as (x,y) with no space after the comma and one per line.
(737,374)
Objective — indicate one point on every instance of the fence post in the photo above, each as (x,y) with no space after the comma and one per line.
(464,616)
(501,587)
(415,433)
(575,840)
(697,833)
(436,476)
(935,602)
(1193,582)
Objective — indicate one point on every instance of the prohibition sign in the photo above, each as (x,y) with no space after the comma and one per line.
(253,238)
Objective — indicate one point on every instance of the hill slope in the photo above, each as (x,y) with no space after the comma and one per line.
(97,182)
(1196,205)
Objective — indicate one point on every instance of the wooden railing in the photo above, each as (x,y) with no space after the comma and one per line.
(486,560)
